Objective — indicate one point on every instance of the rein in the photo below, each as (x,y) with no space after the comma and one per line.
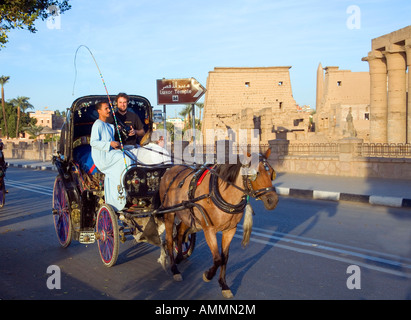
(214,192)
(247,190)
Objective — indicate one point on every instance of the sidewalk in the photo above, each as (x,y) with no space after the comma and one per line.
(376,191)
(30,164)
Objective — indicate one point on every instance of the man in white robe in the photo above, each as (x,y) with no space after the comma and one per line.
(108,158)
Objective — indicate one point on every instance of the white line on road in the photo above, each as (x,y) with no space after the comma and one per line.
(30,187)
(301,241)
(391,263)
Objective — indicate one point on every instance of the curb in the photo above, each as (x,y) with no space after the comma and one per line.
(29,166)
(299,193)
(341,196)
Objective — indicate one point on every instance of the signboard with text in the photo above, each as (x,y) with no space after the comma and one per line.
(179,91)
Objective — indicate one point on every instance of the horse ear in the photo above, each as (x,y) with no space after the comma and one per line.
(267,153)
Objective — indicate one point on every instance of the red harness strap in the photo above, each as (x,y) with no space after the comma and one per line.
(92,168)
(202,177)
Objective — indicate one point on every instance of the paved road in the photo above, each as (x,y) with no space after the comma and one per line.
(299,251)
(376,191)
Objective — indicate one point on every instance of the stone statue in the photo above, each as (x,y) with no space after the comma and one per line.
(349,127)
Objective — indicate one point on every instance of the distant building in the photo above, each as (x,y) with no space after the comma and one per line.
(177,122)
(390,94)
(253,98)
(340,93)
(47,118)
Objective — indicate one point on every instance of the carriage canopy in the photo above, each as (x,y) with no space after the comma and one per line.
(82,114)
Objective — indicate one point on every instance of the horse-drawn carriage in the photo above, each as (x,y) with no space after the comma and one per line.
(79,210)
(180,199)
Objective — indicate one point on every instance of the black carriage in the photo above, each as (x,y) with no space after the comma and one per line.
(79,209)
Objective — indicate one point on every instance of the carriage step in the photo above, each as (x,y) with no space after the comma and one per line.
(87,237)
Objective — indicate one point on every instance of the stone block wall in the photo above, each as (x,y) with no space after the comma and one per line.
(33,150)
(346,162)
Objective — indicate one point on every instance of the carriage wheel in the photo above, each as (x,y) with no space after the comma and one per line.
(2,194)
(107,235)
(61,213)
(188,245)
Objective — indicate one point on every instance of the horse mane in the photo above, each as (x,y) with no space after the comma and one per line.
(228,172)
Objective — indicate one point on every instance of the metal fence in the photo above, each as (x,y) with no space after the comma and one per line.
(389,150)
(305,149)
(385,150)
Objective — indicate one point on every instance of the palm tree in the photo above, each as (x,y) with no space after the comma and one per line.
(33,130)
(3,81)
(22,104)
(186,113)
(200,106)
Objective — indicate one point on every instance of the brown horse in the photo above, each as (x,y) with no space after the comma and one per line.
(215,199)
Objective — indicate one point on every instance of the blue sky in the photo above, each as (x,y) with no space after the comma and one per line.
(136,42)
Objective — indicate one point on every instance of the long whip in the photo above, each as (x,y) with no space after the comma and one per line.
(108,96)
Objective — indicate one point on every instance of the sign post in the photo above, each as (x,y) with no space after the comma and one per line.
(180,91)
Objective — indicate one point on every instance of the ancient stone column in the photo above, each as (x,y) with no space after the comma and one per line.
(378,96)
(397,107)
(408,53)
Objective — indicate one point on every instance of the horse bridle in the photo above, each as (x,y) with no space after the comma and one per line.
(249,191)
(215,195)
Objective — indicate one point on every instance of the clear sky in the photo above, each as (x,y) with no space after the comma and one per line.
(136,42)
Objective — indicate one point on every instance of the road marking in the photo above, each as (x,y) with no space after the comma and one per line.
(301,241)
(30,187)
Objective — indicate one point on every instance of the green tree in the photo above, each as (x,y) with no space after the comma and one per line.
(21,14)
(33,130)
(200,106)
(21,104)
(186,113)
(11,119)
(3,81)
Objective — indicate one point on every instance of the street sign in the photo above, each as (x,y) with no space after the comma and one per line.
(179,91)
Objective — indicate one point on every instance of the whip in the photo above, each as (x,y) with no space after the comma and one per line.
(108,96)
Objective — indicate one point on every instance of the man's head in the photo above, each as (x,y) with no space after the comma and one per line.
(158,137)
(103,109)
(122,101)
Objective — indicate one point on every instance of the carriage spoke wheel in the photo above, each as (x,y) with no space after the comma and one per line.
(61,213)
(188,245)
(107,235)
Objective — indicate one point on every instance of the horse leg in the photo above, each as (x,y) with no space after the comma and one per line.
(169,225)
(181,230)
(211,239)
(225,247)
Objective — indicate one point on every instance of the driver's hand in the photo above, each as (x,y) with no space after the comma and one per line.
(115,144)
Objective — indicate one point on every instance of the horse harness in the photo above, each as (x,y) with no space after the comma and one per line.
(214,193)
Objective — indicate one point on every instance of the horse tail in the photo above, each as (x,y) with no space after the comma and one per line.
(247,224)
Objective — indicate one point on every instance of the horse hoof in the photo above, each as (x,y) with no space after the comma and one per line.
(205,277)
(177,277)
(227,294)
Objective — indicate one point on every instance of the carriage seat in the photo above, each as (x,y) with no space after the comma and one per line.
(82,156)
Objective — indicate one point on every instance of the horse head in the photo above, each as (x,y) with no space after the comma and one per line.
(259,182)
